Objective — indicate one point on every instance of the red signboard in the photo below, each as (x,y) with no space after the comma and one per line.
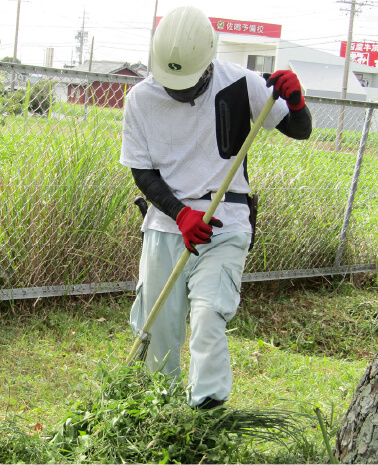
(250,28)
(246,27)
(364,53)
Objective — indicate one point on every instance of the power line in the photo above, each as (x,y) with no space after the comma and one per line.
(51,26)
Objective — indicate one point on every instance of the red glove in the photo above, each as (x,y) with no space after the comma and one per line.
(194,230)
(286,85)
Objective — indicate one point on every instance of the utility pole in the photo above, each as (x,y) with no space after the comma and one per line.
(81,36)
(16,35)
(82,40)
(152,36)
(15,44)
(14,59)
(352,13)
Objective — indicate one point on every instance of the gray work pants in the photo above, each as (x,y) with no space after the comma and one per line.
(208,288)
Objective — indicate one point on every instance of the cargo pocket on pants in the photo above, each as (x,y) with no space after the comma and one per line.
(229,292)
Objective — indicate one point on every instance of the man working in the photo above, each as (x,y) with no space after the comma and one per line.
(182,126)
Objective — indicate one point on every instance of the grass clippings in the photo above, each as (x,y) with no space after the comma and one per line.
(140,417)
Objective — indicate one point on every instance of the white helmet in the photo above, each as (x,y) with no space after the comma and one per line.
(184,45)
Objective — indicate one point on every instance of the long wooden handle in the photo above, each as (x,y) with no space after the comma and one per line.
(206,218)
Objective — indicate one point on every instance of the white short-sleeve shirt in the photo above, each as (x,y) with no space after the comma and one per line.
(181,142)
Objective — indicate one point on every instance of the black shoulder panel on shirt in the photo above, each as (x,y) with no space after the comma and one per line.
(233,118)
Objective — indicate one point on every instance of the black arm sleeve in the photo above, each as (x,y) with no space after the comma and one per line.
(297,124)
(157,191)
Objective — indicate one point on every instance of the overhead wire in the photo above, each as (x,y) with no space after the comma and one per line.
(130,29)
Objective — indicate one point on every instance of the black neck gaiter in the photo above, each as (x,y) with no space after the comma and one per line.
(190,94)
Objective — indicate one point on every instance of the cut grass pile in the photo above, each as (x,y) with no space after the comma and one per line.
(50,355)
(139,417)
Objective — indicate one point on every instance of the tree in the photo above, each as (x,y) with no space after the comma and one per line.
(10,60)
(357,437)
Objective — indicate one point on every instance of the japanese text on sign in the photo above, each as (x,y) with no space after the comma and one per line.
(243,27)
(246,27)
(364,53)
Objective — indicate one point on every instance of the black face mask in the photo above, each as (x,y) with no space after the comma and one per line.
(190,94)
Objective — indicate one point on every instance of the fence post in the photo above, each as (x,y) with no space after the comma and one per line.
(353,187)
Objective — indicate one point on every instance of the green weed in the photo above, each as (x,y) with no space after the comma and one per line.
(340,322)
(58,211)
(50,357)
(65,197)
(140,417)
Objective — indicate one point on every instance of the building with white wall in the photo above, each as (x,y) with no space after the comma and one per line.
(320,73)
(250,44)
(258,54)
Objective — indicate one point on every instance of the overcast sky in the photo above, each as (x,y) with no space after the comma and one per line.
(121,28)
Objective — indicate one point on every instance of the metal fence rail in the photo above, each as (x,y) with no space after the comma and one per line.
(68,224)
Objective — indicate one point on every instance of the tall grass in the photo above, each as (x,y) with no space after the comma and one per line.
(65,201)
(303,192)
(67,214)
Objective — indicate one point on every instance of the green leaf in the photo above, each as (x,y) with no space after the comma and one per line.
(165,458)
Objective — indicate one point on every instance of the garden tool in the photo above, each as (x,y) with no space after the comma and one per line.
(139,349)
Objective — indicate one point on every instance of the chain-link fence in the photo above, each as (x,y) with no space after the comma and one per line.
(68,223)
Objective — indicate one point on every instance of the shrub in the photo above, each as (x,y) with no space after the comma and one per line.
(40,97)
(11,104)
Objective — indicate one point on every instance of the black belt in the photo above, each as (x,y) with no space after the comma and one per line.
(232,197)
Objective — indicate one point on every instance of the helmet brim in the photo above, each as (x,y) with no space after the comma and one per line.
(173,80)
